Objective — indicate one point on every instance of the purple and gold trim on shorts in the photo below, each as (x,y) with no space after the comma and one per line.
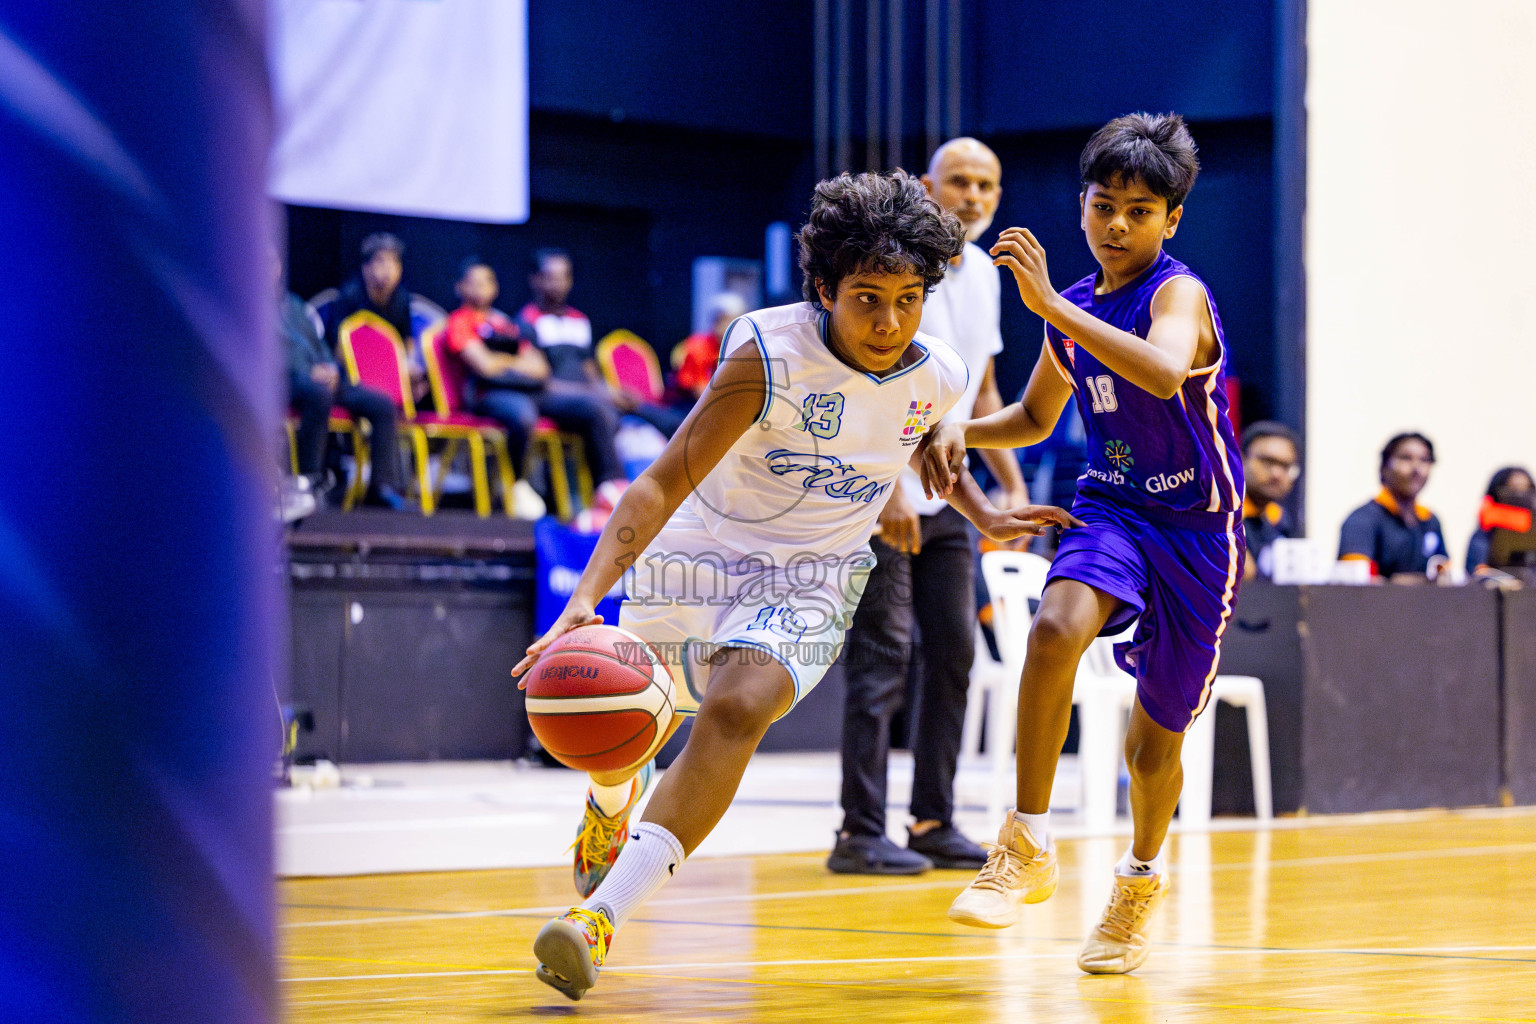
(1177,583)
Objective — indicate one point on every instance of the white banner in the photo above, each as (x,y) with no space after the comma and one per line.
(402,106)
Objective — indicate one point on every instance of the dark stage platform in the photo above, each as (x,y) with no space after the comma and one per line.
(404,629)
(450,532)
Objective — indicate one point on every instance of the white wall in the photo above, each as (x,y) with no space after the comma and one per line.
(1421,247)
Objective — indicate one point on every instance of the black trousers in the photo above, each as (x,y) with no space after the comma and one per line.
(313,401)
(578,409)
(932,594)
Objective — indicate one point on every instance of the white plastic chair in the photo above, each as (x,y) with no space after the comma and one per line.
(1012,578)
(1103,694)
(1199,754)
(1102,699)
(1101,691)
(989,677)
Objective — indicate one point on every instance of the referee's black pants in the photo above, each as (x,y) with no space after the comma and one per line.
(933,591)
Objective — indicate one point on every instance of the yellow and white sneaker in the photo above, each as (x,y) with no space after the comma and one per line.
(599,838)
(1018,870)
(571,948)
(1118,945)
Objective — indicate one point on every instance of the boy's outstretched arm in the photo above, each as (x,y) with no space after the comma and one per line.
(1003,525)
(730,404)
(1159,363)
(1027,421)
(1004,467)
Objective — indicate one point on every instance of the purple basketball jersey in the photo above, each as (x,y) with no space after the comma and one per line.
(1176,458)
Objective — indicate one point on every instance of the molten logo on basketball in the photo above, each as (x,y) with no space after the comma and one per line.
(568,672)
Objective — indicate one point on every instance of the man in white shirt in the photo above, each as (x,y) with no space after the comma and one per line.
(924,579)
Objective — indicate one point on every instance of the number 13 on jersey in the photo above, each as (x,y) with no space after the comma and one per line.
(822,415)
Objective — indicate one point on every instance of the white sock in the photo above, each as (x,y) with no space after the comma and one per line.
(646,862)
(1130,864)
(612,799)
(1039,826)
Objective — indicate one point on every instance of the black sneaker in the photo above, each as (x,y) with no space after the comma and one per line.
(946,847)
(874,855)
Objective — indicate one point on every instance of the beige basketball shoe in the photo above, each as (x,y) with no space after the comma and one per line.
(1119,944)
(571,948)
(1018,870)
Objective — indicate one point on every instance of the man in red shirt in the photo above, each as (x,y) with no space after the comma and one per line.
(701,352)
(506,373)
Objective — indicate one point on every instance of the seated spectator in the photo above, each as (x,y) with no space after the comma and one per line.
(315,383)
(700,353)
(1271,465)
(695,358)
(1511,487)
(504,372)
(575,395)
(376,288)
(1401,539)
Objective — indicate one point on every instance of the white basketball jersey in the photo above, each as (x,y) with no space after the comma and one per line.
(811,475)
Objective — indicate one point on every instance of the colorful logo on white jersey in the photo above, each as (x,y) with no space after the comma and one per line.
(916,424)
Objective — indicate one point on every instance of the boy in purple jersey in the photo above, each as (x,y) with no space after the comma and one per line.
(1139,346)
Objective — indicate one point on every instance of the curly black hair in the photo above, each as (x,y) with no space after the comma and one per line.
(862,223)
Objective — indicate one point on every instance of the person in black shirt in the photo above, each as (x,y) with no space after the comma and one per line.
(1400,538)
(376,288)
(575,395)
(1271,466)
(315,383)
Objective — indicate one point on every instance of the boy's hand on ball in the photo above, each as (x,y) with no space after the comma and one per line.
(574,615)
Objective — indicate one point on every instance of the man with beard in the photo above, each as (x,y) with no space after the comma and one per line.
(925,546)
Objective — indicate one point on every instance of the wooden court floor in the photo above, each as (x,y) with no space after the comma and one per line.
(1422,917)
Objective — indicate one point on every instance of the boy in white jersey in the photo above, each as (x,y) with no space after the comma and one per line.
(748,537)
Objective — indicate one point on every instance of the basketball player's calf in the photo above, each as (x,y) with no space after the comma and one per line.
(742,701)
(604,827)
(1069,618)
(1022,867)
(1118,944)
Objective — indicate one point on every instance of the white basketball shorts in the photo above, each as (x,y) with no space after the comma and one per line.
(690,597)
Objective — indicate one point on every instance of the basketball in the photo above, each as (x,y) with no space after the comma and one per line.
(599,698)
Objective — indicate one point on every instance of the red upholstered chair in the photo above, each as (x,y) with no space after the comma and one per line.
(630,365)
(451,422)
(552,444)
(375,357)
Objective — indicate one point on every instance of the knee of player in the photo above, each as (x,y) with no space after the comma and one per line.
(740,709)
(1057,636)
